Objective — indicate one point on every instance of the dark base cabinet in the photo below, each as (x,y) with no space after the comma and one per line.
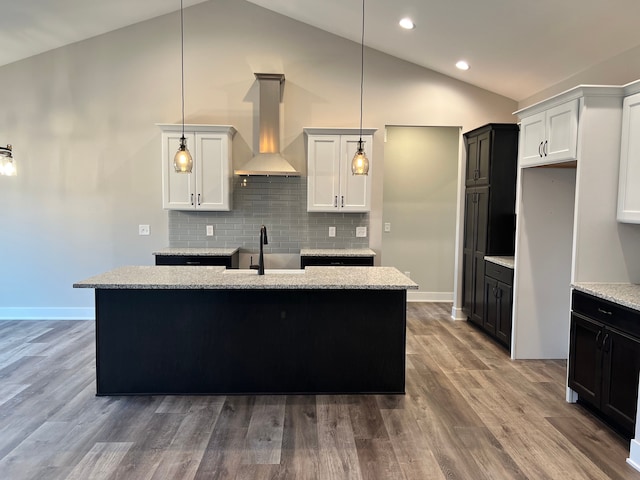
(250,341)
(229,261)
(604,359)
(498,301)
(337,261)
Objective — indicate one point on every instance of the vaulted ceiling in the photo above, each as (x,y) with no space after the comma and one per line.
(515,47)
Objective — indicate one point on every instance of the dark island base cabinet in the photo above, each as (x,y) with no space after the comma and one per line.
(229,261)
(604,359)
(337,261)
(250,341)
(498,302)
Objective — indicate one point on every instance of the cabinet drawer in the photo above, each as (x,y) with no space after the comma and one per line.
(195,260)
(336,261)
(609,313)
(498,272)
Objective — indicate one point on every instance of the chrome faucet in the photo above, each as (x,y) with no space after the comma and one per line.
(263,242)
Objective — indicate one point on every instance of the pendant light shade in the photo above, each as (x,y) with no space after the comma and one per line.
(7,164)
(182,162)
(360,162)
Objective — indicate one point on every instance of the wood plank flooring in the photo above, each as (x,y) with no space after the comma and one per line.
(469,413)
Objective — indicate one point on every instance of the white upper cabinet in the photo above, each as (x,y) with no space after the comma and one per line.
(629,181)
(209,186)
(550,136)
(331,187)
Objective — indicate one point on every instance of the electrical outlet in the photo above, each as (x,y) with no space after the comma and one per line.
(209,230)
(143,230)
(361,231)
(387,227)
(332,231)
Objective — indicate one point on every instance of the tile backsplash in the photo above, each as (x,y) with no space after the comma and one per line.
(280,203)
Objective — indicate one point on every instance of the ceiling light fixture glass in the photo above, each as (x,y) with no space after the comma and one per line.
(407,24)
(462,65)
(7,164)
(182,162)
(360,162)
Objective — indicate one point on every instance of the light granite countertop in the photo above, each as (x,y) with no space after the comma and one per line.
(218,278)
(197,252)
(626,294)
(337,252)
(504,261)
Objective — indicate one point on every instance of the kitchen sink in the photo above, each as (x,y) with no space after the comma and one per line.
(268,271)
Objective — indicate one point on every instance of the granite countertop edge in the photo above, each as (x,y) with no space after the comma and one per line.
(625,294)
(213,278)
(505,261)
(337,252)
(197,251)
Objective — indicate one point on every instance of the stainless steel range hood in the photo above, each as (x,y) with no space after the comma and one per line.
(269,161)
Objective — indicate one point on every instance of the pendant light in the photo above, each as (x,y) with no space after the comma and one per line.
(7,165)
(360,162)
(182,162)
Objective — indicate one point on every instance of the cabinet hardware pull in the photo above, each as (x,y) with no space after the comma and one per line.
(604,343)
(476,174)
(342,200)
(192,199)
(335,201)
(544,149)
(598,338)
(606,312)
(193,263)
(540,149)
(198,199)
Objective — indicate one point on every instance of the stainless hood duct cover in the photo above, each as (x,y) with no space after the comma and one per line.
(269,161)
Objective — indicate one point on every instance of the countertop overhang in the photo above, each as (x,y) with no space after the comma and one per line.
(197,251)
(337,252)
(218,278)
(626,294)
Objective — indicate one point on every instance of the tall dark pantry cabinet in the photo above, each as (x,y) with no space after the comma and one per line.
(489,215)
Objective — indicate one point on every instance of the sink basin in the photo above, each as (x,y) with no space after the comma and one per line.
(268,271)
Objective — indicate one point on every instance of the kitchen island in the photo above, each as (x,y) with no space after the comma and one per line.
(207,330)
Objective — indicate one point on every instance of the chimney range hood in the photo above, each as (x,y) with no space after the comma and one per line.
(268,161)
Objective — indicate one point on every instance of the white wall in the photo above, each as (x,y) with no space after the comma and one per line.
(420,202)
(81,119)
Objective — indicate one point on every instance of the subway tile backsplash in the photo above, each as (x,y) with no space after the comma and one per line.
(280,203)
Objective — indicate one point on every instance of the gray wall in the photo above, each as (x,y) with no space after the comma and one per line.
(420,201)
(82,121)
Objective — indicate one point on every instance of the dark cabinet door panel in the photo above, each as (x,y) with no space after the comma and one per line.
(585,368)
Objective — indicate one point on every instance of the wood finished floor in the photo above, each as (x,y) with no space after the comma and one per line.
(469,413)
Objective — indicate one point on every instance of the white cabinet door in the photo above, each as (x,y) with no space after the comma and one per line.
(562,133)
(629,183)
(323,181)
(209,185)
(213,179)
(178,189)
(355,190)
(549,137)
(532,135)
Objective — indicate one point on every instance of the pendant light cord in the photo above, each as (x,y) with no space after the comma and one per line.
(182,62)
(361,71)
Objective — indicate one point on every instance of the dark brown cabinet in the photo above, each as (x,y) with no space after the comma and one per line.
(498,301)
(336,261)
(490,197)
(229,261)
(604,358)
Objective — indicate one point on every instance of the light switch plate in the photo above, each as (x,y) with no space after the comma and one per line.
(361,231)
(143,230)
(332,231)
(209,230)
(387,226)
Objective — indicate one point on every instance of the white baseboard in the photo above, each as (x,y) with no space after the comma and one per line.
(634,455)
(413,296)
(47,313)
(458,314)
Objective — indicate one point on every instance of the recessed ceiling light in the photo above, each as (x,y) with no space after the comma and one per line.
(462,65)
(407,24)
